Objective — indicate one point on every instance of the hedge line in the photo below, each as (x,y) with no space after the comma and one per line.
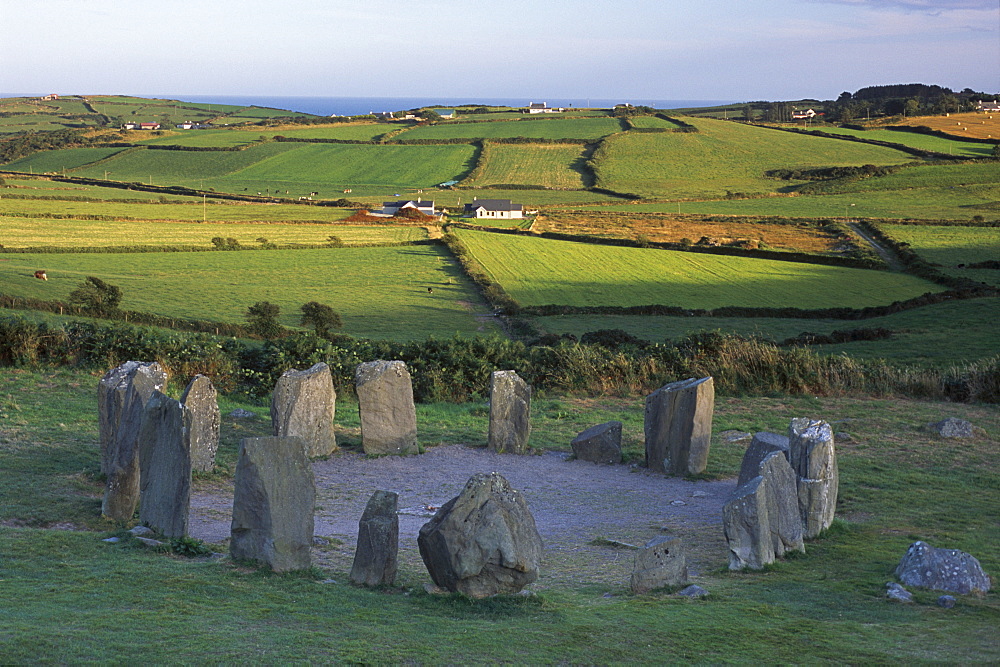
(919,152)
(923,129)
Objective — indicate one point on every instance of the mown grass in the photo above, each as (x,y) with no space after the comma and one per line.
(45,189)
(949,245)
(72,598)
(653,121)
(60,160)
(546,128)
(379,292)
(234,137)
(925,142)
(551,165)
(940,335)
(721,157)
(979,125)
(540,271)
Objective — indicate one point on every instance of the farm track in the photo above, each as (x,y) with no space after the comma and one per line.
(887,255)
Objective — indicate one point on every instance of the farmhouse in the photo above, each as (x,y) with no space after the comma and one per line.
(193,126)
(987,106)
(384,115)
(541,107)
(49,98)
(140,126)
(394,207)
(808,113)
(493,208)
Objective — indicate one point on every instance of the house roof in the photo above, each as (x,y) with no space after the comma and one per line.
(494,205)
(403,202)
(538,105)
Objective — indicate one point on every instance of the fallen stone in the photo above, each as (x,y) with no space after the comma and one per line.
(734,436)
(699,494)
(112,540)
(946,601)
(240,413)
(678,426)
(201,401)
(376,557)
(953,428)
(273,500)
(510,413)
(694,591)
(149,542)
(661,562)
(814,459)
(896,592)
(942,569)
(599,444)
(761,445)
(304,403)
(385,402)
(165,466)
(141,530)
(678,502)
(483,541)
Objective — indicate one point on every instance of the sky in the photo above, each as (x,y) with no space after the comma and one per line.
(739,50)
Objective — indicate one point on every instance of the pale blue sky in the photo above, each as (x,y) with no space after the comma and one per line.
(653,49)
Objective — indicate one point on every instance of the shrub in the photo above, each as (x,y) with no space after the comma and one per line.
(262,319)
(321,317)
(96,297)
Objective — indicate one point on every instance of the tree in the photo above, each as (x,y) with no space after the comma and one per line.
(321,317)
(96,297)
(262,319)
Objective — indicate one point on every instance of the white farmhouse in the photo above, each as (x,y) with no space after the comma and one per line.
(394,207)
(493,208)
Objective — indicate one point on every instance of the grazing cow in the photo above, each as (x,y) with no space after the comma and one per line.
(41,275)
(430,290)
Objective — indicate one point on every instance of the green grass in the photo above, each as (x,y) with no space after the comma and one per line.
(914,140)
(221,138)
(949,245)
(551,165)
(387,302)
(59,160)
(71,598)
(547,128)
(653,121)
(940,335)
(53,192)
(721,157)
(539,271)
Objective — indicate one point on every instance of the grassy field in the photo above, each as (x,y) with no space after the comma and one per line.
(978,125)
(551,165)
(653,121)
(234,137)
(538,272)
(61,160)
(72,598)
(922,141)
(52,191)
(546,128)
(220,286)
(949,245)
(721,157)
(940,335)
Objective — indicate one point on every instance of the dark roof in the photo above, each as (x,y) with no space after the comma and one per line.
(494,205)
(403,202)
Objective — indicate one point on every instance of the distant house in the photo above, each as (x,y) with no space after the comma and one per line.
(541,107)
(988,106)
(193,126)
(445,113)
(808,113)
(384,115)
(493,208)
(149,126)
(50,97)
(394,207)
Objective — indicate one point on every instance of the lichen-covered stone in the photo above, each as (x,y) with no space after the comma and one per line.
(814,459)
(165,466)
(201,401)
(385,402)
(376,556)
(942,569)
(661,562)
(763,443)
(599,444)
(510,413)
(304,403)
(678,426)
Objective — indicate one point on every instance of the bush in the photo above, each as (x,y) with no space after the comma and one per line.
(262,319)
(96,297)
(321,317)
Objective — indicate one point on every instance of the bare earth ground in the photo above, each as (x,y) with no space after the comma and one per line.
(574,503)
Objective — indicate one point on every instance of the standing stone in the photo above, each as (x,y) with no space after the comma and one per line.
(814,459)
(510,413)
(378,541)
(660,563)
(763,443)
(385,401)
(201,401)
(273,502)
(304,403)
(121,395)
(599,444)
(948,570)
(483,541)
(679,426)
(165,466)
(761,521)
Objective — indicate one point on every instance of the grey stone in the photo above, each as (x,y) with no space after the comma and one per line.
(240,413)
(273,499)
(510,413)
(483,541)
(694,591)
(678,426)
(661,562)
(385,402)
(814,459)
(763,443)
(201,401)
(942,569)
(946,601)
(376,556)
(599,444)
(121,395)
(953,428)
(149,542)
(735,436)
(141,530)
(761,521)
(112,540)
(165,466)
(894,591)
(304,403)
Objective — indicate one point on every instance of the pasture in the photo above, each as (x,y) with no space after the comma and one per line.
(721,157)
(379,292)
(538,272)
(221,138)
(949,245)
(978,125)
(584,128)
(61,160)
(551,165)
(44,189)
(925,142)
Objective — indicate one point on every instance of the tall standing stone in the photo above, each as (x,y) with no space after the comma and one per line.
(483,541)
(377,553)
(385,401)
(201,401)
(510,413)
(814,459)
(304,403)
(121,395)
(761,520)
(273,503)
(679,426)
(661,562)
(165,466)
